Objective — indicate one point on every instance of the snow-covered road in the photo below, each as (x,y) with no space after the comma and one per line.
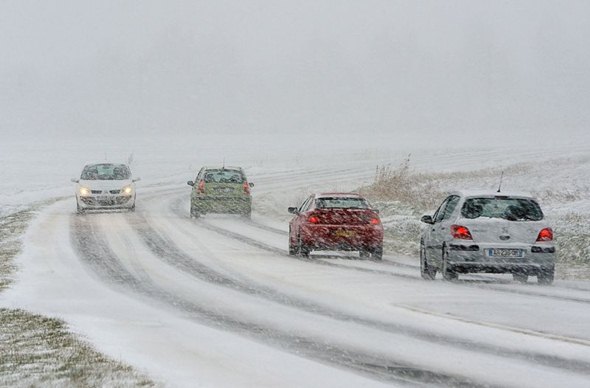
(218,302)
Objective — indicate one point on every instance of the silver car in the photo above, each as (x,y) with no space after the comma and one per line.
(104,186)
(488,232)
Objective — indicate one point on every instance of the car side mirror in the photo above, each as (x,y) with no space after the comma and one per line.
(427,219)
(136,179)
(74,180)
(190,183)
(376,210)
(251,184)
(292,210)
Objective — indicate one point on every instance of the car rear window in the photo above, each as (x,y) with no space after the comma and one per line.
(342,203)
(507,208)
(223,176)
(106,172)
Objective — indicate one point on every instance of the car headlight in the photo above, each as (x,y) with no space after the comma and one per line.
(84,191)
(127,190)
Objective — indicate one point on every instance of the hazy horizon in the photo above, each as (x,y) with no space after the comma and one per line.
(354,73)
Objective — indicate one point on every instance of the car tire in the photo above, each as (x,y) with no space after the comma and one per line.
(377,253)
(79,210)
(292,246)
(447,271)
(546,276)
(427,271)
(292,249)
(303,249)
(520,277)
(194,212)
(363,253)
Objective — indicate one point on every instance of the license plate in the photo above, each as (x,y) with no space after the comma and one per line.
(343,233)
(102,198)
(505,252)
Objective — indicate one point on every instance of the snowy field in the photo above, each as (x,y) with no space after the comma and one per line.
(218,302)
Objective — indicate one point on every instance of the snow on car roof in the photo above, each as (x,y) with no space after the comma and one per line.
(105,162)
(343,195)
(221,168)
(492,193)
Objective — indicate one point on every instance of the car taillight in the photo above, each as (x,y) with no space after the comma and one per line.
(313,220)
(246,188)
(545,235)
(460,232)
(375,221)
(201,188)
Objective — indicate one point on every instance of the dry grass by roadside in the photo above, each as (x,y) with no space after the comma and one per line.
(11,228)
(39,351)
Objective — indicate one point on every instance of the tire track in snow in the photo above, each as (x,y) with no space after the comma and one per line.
(480,281)
(164,248)
(94,250)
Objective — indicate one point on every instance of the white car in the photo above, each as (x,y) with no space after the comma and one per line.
(104,186)
(488,232)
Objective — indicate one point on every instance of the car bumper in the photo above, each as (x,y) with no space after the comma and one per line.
(345,238)
(475,258)
(229,205)
(106,202)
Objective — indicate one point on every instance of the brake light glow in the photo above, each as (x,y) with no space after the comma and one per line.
(246,188)
(461,232)
(201,188)
(375,221)
(313,220)
(545,235)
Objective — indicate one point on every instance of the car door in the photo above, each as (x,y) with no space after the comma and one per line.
(442,227)
(429,237)
(438,232)
(295,223)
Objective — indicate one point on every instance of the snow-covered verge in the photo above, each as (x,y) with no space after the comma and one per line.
(40,351)
(403,194)
(94,314)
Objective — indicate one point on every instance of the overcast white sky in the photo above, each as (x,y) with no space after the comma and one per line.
(404,72)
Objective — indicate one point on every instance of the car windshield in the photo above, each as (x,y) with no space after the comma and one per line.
(507,208)
(106,172)
(341,203)
(223,176)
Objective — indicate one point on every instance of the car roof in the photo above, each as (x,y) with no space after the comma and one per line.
(221,168)
(336,195)
(111,163)
(491,193)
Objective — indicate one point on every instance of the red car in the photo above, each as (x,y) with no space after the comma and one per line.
(336,221)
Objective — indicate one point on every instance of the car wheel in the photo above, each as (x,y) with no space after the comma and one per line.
(377,253)
(292,247)
(520,277)
(428,272)
(364,253)
(194,212)
(79,210)
(303,249)
(447,271)
(132,208)
(546,276)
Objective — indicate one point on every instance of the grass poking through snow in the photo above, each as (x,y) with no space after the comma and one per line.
(39,351)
